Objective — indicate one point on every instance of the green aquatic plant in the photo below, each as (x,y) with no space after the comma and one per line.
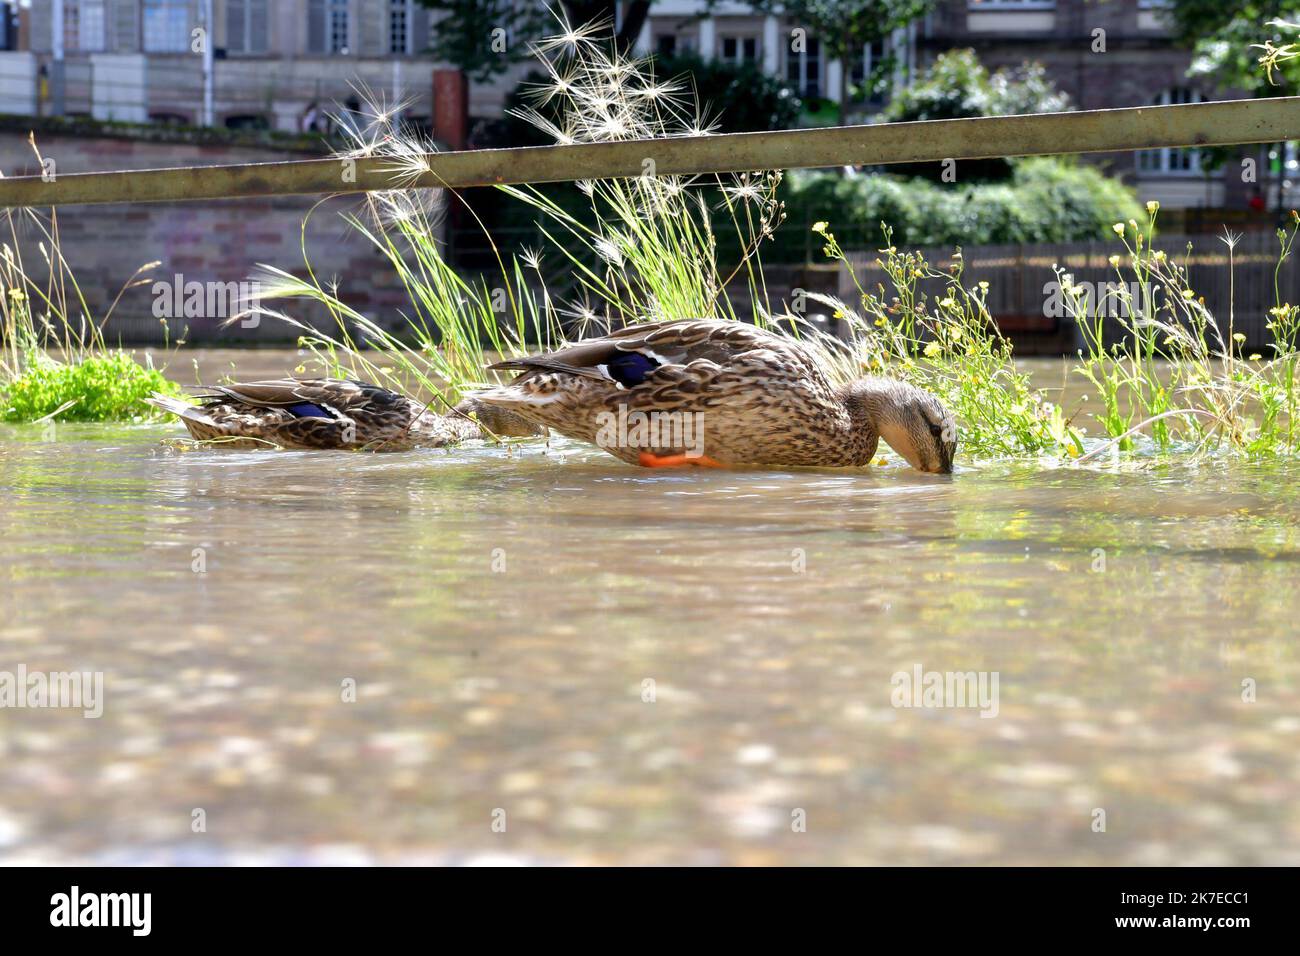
(106,386)
(1169,373)
(451,326)
(55,363)
(950,346)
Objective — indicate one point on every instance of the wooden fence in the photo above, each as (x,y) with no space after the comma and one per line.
(1024,293)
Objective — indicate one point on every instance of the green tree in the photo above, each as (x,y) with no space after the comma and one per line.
(483,37)
(1224,34)
(737,97)
(1228,39)
(958,86)
(845,27)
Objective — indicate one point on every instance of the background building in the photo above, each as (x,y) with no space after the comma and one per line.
(1104,55)
(279,64)
(285,64)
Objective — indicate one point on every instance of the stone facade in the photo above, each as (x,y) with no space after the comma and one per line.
(1138,63)
(213,243)
(279,63)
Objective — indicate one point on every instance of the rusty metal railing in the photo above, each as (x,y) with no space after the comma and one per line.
(1227,123)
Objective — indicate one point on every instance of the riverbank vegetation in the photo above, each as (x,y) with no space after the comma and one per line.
(1167,378)
(1165,375)
(55,363)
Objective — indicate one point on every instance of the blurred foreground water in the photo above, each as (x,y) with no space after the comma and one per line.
(626,666)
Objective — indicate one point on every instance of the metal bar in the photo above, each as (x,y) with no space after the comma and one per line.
(1193,124)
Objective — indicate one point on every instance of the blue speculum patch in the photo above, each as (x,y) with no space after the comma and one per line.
(630,368)
(308,410)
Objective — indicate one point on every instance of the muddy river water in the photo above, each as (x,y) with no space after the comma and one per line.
(538,654)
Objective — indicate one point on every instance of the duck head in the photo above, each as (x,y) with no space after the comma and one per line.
(909,420)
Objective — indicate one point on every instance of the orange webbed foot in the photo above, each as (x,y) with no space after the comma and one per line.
(650,460)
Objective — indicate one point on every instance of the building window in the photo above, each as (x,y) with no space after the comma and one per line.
(83,25)
(740,49)
(862,67)
(167,26)
(1172,161)
(803,69)
(327,26)
(399,26)
(246,26)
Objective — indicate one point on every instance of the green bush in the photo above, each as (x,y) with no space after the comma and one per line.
(1046,200)
(108,386)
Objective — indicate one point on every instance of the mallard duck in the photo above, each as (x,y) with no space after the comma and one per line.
(332,413)
(749,397)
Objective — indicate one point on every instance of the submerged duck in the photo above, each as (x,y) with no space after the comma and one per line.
(333,413)
(736,394)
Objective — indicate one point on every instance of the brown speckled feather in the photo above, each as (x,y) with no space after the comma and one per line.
(327,414)
(762,398)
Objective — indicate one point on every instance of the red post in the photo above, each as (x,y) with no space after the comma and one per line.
(450,107)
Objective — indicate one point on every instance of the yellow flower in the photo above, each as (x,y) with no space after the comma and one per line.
(1153,207)
(820,226)
(1119,228)
(1114,262)
(933,350)
(1239,336)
